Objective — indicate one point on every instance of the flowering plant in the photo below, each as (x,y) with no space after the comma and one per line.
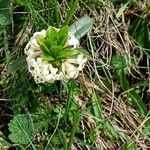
(54,54)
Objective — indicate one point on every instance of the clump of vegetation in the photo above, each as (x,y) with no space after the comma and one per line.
(105,105)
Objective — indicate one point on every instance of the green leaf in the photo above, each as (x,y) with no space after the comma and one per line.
(122,9)
(23,2)
(140,32)
(137,101)
(96,105)
(84,52)
(118,62)
(47,57)
(93,135)
(63,138)
(50,42)
(44,46)
(66,53)
(17,64)
(56,50)
(23,127)
(5,14)
(130,146)
(123,80)
(52,34)
(110,131)
(4,4)
(81,26)
(146,130)
(63,35)
(105,127)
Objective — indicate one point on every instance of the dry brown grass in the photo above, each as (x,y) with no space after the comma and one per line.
(109,36)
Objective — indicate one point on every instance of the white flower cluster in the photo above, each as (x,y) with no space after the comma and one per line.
(43,71)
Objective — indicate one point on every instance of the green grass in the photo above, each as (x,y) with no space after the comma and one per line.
(106,107)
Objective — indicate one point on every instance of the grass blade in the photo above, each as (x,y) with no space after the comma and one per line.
(57,14)
(71,12)
(76,120)
(122,9)
(137,101)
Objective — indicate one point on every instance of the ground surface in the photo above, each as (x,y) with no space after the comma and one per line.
(106,107)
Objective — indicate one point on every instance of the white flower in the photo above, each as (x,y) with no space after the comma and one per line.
(33,46)
(69,70)
(45,72)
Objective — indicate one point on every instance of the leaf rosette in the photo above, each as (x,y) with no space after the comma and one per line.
(54,55)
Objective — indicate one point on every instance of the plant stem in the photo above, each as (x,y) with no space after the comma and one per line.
(76,120)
